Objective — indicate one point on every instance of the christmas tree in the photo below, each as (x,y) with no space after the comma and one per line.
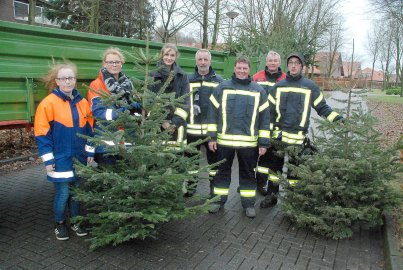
(132,198)
(345,183)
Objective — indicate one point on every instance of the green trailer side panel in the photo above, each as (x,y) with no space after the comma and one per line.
(26,52)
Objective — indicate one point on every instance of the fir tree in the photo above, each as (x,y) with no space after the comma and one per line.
(130,200)
(346,182)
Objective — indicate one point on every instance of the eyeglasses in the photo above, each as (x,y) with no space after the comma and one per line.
(112,63)
(64,79)
(292,63)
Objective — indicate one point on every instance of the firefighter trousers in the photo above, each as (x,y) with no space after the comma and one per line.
(247,159)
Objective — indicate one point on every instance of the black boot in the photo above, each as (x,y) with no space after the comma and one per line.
(269,201)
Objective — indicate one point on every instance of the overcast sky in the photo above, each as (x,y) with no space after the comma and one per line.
(357,23)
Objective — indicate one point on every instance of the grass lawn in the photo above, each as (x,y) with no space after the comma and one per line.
(386,99)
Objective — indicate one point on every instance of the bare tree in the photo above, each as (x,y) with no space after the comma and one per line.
(375,39)
(173,16)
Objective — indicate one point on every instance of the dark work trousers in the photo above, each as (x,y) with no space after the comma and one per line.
(247,159)
(269,167)
(211,159)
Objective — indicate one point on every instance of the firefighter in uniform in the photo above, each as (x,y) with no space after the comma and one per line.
(293,99)
(202,82)
(270,163)
(238,119)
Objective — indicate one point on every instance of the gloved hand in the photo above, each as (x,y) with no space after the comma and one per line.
(135,105)
(196,109)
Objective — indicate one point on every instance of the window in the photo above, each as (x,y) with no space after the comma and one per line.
(21,12)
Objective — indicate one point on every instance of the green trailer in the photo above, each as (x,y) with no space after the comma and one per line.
(26,53)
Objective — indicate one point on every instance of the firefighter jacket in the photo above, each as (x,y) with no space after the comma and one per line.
(267,80)
(201,88)
(178,85)
(294,98)
(239,114)
(58,120)
(99,110)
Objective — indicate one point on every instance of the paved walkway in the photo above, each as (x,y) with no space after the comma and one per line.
(226,240)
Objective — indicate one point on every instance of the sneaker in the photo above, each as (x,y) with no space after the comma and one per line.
(61,231)
(80,231)
(269,201)
(250,212)
(214,208)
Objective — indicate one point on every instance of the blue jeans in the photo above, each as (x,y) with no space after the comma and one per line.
(63,198)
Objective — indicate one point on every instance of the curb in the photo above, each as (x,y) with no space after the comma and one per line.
(393,257)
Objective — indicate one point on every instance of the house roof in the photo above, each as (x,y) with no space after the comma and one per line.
(377,76)
(356,70)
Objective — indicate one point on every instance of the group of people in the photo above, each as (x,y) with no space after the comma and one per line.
(241,115)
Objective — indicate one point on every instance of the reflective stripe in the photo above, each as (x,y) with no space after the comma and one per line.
(196,132)
(318,100)
(332,116)
(193,90)
(273,178)
(266,83)
(47,157)
(108,114)
(212,127)
(197,129)
(197,126)
(248,193)
(181,134)
(89,149)
(275,133)
(264,134)
(212,172)
(271,126)
(271,99)
(221,191)
(210,84)
(193,172)
(237,137)
(214,101)
(264,106)
(291,138)
(67,174)
(226,93)
(307,98)
(292,182)
(111,143)
(262,169)
(182,113)
(237,143)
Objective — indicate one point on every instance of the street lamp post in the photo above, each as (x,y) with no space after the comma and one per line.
(232,15)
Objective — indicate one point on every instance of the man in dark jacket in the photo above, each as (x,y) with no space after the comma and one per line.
(270,162)
(238,119)
(202,83)
(294,98)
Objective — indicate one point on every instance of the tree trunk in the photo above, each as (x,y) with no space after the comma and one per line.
(216,25)
(32,12)
(205,24)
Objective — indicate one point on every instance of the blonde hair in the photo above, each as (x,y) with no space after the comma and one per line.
(50,78)
(115,51)
(168,47)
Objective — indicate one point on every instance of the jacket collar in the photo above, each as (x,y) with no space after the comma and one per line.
(293,78)
(76,95)
(241,81)
(211,74)
(275,75)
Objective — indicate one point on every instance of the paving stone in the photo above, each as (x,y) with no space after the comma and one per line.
(226,240)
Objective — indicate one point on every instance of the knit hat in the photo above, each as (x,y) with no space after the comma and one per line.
(298,55)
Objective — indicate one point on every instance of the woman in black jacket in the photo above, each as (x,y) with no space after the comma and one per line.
(179,84)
